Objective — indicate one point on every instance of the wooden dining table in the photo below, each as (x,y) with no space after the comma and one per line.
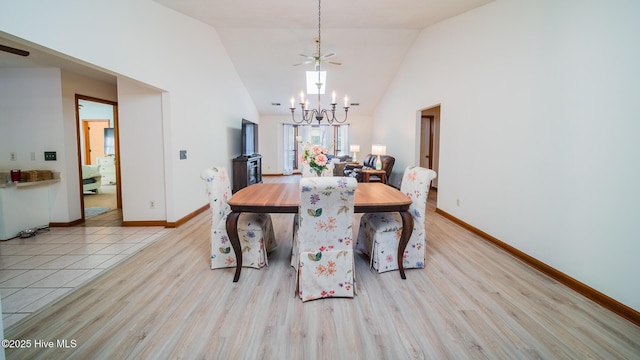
(285,198)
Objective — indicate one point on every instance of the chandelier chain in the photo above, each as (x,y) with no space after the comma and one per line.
(308,115)
(319,41)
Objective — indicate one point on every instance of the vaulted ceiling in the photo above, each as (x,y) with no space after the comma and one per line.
(264,39)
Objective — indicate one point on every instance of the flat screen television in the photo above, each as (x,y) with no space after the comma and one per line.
(249,138)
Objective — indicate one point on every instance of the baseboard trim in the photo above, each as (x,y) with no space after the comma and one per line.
(187,217)
(145,223)
(282,174)
(66,224)
(163,223)
(590,293)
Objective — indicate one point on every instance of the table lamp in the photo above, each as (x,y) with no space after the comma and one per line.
(354,149)
(378,150)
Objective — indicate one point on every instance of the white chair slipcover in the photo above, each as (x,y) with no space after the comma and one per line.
(322,252)
(379,233)
(255,231)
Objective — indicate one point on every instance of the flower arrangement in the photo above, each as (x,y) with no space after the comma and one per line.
(316,157)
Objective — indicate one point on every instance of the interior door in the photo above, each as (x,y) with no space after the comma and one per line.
(426,146)
(430,140)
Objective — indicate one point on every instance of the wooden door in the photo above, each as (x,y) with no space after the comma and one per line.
(426,146)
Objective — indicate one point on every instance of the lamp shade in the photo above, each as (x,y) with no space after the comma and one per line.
(378,149)
(354,148)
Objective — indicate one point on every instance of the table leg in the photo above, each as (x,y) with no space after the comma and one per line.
(232,232)
(407,229)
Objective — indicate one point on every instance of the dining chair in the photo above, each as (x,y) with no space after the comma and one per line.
(322,253)
(255,231)
(379,233)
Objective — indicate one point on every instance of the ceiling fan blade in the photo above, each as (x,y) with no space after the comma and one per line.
(328,55)
(14,50)
(334,62)
(303,63)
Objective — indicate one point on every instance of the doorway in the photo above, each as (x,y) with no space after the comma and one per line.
(430,140)
(97,139)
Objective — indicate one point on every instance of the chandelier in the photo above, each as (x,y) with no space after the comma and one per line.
(308,115)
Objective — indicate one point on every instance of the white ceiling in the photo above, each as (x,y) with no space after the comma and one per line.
(41,57)
(265,38)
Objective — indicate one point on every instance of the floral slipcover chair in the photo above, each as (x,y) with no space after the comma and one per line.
(379,233)
(255,231)
(322,253)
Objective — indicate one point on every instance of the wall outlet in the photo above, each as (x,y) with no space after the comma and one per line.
(152,204)
(13,156)
(183,154)
(458,202)
(33,156)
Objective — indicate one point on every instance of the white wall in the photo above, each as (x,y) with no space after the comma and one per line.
(142,170)
(539,124)
(37,114)
(2,355)
(203,99)
(31,121)
(271,141)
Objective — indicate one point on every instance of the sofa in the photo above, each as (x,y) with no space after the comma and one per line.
(369,162)
(91,178)
(339,163)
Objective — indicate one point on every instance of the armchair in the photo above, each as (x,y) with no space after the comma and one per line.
(369,162)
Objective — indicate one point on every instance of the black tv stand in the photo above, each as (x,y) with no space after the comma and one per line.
(247,170)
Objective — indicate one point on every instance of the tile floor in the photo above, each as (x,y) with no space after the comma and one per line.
(39,270)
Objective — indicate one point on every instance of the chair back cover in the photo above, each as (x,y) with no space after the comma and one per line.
(255,231)
(379,233)
(416,182)
(323,239)
(219,192)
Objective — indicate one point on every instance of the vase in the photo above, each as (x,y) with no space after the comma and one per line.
(318,172)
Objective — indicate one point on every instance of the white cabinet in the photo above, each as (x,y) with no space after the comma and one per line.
(107,169)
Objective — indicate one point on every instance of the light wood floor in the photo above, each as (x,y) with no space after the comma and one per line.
(472,301)
(106,198)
